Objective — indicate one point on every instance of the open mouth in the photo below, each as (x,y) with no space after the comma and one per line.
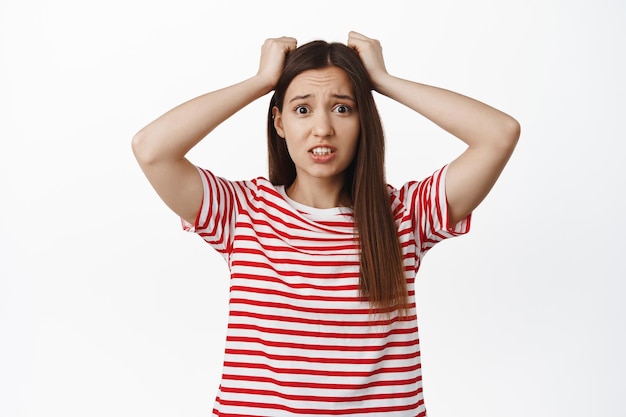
(321,151)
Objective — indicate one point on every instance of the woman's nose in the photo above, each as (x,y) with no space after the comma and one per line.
(322,125)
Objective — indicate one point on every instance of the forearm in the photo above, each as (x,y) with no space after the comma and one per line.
(174,133)
(473,122)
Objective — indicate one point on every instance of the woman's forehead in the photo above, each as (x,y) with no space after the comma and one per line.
(331,80)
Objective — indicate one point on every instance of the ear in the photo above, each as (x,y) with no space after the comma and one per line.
(278,122)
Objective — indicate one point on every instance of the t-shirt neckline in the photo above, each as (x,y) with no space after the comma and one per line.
(304,209)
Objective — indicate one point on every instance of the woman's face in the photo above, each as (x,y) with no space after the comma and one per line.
(320,124)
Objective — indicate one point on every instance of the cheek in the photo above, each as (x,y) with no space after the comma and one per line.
(354,133)
(289,128)
(291,145)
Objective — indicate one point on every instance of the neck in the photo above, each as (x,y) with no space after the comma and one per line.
(319,194)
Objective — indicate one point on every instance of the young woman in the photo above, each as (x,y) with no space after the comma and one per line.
(324,253)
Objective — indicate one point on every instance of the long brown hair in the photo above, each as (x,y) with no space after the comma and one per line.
(382,279)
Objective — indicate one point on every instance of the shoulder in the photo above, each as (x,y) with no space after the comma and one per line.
(415,193)
(435,180)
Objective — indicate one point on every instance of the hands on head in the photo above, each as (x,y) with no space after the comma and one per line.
(273,53)
(490,134)
(275,50)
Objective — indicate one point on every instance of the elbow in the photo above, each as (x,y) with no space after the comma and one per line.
(140,144)
(509,134)
(514,129)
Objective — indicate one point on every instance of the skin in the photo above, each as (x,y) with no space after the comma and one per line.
(490,135)
(319,111)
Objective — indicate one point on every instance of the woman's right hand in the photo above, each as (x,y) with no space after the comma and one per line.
(273,55)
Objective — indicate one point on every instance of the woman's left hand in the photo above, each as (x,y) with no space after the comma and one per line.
(371,53)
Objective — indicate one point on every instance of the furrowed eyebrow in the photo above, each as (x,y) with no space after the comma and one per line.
(300,97)
(344,97)
(340,96)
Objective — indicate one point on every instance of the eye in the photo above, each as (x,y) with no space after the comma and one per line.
(301,110)
(342,108)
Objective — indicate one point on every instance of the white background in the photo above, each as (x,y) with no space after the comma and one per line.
(107,308)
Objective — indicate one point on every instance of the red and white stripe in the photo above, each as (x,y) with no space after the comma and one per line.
(300,340)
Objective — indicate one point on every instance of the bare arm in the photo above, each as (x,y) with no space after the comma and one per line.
(161,146)
(490,134)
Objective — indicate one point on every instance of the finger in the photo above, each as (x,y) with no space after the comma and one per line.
(359,37)
(361,42)
(289,43)
(357,34)
(284,40)
(354,40)
(288,39)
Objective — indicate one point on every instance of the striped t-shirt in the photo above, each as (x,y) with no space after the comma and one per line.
(300,341)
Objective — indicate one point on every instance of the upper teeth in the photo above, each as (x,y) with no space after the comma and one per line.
(322,151)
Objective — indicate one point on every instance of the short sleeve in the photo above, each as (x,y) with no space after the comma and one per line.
(216,217)
(427,205)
